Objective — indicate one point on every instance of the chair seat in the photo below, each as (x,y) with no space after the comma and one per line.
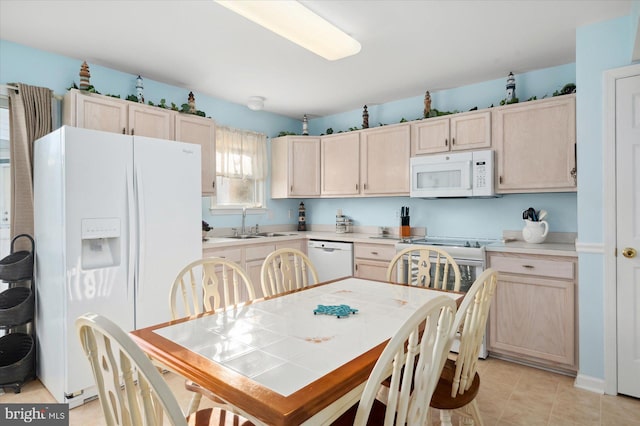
(442,399)
(376,416)
(216,417)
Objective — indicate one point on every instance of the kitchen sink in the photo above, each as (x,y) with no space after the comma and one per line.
(271,234)
(242,237)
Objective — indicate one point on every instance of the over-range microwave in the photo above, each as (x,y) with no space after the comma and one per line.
(459,174)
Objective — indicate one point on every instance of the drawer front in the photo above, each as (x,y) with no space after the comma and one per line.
(234,255)
(258,252)
(374,251)
(539,266)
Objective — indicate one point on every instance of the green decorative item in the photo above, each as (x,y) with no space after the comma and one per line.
(329,131)
(285,133)
(132,98)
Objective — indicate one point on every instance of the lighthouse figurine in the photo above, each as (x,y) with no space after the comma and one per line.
(139,90)
(305,125)
(511,88)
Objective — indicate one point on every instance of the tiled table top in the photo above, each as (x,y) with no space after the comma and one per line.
(282,345)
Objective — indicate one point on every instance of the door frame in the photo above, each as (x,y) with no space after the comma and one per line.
(610,224)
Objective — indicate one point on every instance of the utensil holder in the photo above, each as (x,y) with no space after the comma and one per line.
(535,232)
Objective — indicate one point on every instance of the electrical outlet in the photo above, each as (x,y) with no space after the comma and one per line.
(290,213)
(270,215)
(396,214)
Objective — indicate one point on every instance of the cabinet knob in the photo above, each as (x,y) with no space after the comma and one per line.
(453,141)
(132,132)
(446,142)
(124,131)
(213,184)
(629,252)
(527,266)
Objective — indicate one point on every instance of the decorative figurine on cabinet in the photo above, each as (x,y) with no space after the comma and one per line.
(192,103)
(365,118)
(511,88)
(84,76)
(305,125)
(139,90)
(302,220)
(427,104)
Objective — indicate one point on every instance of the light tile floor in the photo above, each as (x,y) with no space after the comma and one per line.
(510,394)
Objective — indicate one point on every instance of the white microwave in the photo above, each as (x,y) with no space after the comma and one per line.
(459,174)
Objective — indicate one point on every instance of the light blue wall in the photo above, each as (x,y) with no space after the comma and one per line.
(482,95)
(599,47)
(21,64)
(452,217)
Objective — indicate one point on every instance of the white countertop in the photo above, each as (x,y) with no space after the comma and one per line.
(557,244)
(551,249)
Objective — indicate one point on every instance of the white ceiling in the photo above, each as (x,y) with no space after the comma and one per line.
(408,47)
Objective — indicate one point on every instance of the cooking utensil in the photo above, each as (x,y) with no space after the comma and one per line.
(542,214)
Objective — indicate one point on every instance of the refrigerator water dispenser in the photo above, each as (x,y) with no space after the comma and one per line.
(100,243)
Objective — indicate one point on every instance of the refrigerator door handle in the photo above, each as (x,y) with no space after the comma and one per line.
(141,230)
(131,235)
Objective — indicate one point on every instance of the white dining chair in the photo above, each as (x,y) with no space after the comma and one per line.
(206,285)
(146,398)
(459,383)
(426,266)
(413,378)
(286,269)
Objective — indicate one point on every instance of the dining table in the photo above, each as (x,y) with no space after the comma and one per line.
(288,359)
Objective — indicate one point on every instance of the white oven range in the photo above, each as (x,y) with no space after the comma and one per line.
(469,254)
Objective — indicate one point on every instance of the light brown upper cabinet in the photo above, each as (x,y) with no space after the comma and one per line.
(370,162)
(535,144)
(201,131)
(98,112)
(384,160)
(457,132)
(340,165)
(295,167)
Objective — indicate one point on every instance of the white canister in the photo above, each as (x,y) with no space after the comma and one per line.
(535,232)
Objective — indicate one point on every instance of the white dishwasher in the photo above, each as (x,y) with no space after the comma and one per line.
(332,259)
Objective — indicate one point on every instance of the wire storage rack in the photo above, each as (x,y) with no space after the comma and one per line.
(17,345)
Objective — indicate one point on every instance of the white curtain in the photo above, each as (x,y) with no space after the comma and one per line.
(240,154)
(29,119)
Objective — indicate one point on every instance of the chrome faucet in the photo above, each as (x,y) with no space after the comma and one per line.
(243,231)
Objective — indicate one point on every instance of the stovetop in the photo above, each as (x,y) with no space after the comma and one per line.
(458,247)
(452,242)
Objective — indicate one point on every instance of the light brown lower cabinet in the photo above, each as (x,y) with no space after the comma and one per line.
(371,260)
(251,256)
(533,315)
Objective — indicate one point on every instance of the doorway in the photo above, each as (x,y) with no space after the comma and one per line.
(621,125)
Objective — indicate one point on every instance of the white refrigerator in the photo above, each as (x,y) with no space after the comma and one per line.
(116,218)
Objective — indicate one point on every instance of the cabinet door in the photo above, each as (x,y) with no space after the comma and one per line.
(150,121)
(340,164)
(535,146)
(304,167)
(429,136)
(470,130)
(370,269)
(201,131)
(384,157)
(98,113)
(534,318)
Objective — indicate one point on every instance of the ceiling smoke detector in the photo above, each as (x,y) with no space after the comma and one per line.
(255,103)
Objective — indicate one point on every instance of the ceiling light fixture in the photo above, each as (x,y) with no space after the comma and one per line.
(255,103)
(296,23)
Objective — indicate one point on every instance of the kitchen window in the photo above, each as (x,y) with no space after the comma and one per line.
(241,169)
